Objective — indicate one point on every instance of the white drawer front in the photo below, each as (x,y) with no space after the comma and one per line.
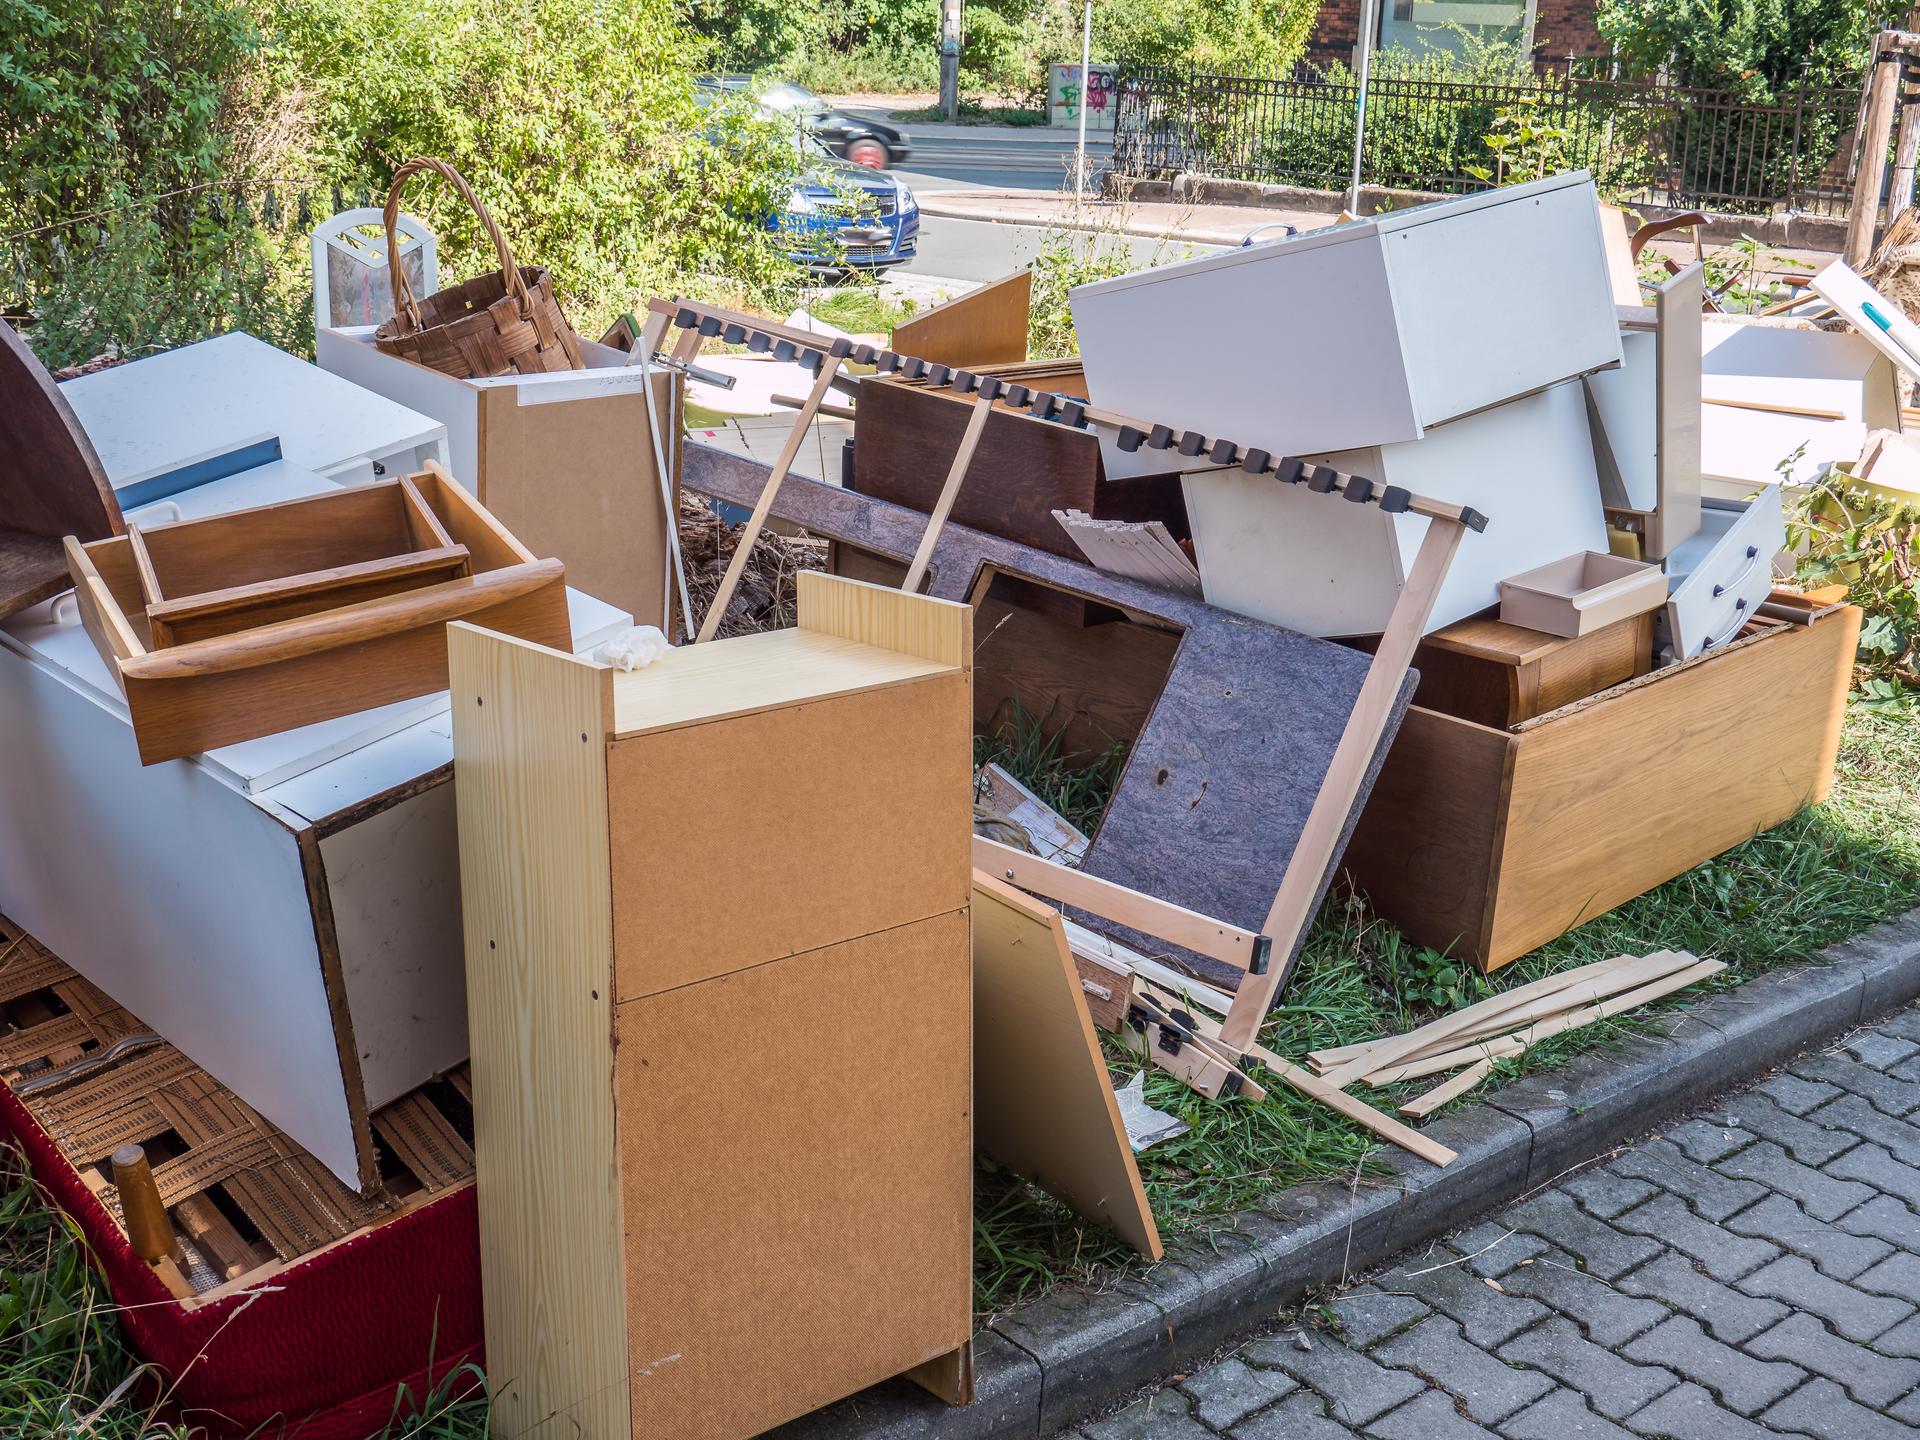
(1731,572)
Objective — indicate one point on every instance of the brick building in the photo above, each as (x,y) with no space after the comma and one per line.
(1556,28)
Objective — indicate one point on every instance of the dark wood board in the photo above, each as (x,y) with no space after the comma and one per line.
(1023,471)
(1231,752)
(51,481)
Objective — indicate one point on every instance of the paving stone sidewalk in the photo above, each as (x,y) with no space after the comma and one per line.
(1753,1272)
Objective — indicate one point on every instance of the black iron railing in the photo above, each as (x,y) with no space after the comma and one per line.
(1646,142)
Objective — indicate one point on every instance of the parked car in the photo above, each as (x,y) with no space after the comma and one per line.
(865,142)
(843,218)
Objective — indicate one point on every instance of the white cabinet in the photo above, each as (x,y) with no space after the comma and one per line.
(1831,375)
(286,910)
(1365,333)
(1321,565)
(1718,578)
(155,421)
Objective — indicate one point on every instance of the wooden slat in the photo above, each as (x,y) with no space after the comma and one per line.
(530,744)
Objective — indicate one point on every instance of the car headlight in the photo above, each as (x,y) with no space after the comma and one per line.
(907,203)
(801,203)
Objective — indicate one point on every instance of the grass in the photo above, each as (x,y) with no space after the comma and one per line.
(1824,875)
(861,308)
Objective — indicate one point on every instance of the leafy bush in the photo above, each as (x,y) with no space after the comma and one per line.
(161,204)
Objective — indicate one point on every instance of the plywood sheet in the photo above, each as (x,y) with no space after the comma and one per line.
(530,751)
(1044,1105)
(987,326)
(801,1227)
(721,860)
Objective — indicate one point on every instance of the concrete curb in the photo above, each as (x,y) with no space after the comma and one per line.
(1074,1350)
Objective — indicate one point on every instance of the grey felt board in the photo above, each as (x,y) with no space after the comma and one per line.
(1221,778)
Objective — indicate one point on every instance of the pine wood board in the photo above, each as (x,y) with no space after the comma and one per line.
(530,731)
(1044,1105)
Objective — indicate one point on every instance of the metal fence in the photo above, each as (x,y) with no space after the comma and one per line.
(1645,141)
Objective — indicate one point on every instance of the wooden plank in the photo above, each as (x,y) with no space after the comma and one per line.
(1509,1045)
(1447,1091)
(987,326)
(1340,791)
(1882,96)
(943,507)
(750,532)
(1043,1102)
(530,729)
(1132,908)
(937,630)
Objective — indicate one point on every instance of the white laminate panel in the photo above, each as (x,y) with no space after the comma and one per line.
(454,403)
(393,884)
(179,897)
(154,414)
(1884,324)
(1741,450)
(1626,403)
(1827,373)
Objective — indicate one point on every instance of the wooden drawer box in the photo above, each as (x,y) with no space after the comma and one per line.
(1487,843)
(1493,673)
(719,987)
(1024,470)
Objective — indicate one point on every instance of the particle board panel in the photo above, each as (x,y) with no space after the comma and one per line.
(530,729)
(862,1269)
(860,847)
(1724,774)
(1045,1104)
(987,326)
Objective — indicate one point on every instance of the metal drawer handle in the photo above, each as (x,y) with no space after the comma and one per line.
(1739,619)
(1753,553)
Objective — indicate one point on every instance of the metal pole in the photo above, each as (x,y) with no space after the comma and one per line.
(1367,10)
(950,59)
(1086,85)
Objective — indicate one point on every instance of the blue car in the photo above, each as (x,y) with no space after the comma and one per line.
(843,218)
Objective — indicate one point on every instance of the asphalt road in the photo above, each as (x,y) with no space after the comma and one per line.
(975,157)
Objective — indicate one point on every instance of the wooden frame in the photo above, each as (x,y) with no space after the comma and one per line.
(260,656)
(580,788)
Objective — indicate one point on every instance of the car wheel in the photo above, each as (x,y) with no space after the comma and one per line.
(868,152)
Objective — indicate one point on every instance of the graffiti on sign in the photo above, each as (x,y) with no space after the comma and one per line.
(1068,93)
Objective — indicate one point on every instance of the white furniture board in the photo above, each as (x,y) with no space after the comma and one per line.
(1719,577)
(180,899)
(1364,333)
(1741,450)
(1880,320)
(1626,407)
(399,932)
(1825,373)
(157,413)
(1324,566)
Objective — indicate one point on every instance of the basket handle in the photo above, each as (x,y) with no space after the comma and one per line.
(403,301)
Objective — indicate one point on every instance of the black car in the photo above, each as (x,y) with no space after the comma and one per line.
(864,142)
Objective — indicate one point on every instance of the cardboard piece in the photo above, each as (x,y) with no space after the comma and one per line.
(564,460)
(638,1297)
(1044,1105)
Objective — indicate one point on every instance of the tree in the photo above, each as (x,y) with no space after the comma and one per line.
(1752,47)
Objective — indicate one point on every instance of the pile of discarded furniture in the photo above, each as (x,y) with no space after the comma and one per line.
(413,911)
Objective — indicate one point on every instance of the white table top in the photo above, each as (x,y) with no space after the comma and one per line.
(164,411)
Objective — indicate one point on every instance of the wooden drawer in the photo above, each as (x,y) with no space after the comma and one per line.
(1487,843)
(1496,674)
(1721,574)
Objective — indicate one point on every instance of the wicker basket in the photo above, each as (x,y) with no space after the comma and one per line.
(503,321)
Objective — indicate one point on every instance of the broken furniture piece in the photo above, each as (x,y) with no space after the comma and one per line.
(564,459)
(1881,320)
(276,1256)
(1143,551)
(1720,576)
(262,620)
(51,481)
(609,983)
(1645,420)
(1499,674)
(1366,333)
(1485,843)
(1044,1106)
(1582,594)
(351,283)
(984,327)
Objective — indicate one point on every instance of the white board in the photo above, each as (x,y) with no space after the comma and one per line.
(1828,374)
(1880,320)
(157,413)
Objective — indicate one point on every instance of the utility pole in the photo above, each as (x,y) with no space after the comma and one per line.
(1368,10)
(1086,88)
(950,59)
